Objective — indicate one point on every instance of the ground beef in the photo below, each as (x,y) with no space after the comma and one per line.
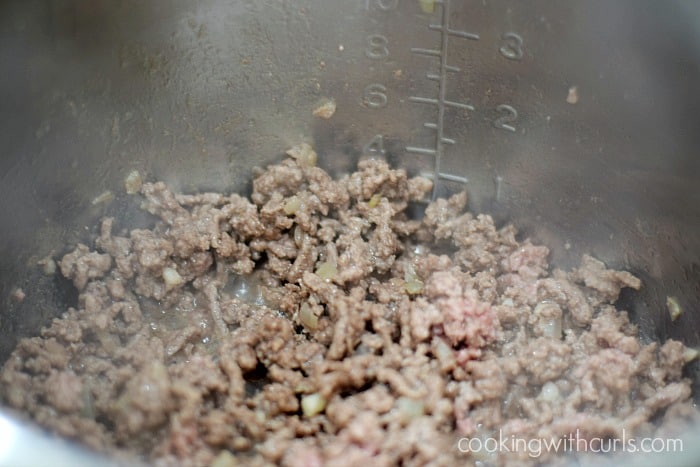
(316,323)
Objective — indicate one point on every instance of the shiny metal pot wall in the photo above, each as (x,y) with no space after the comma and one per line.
(575,120)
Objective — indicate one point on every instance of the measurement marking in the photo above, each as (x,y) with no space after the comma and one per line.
(436,77)
(512,49)
(442,103)
(454,32)
(510,115)
(499,181)
(444,176)
(417,150)
(430,52)
(463,34)
(458,105)
(428,100)
(453,178)
(423,100)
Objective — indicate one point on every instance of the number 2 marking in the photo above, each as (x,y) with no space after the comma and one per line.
(509,115)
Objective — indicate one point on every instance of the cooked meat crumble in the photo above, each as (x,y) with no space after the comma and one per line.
(316,323)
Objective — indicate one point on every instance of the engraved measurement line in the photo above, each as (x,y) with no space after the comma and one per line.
(417,150)
(436,77)
(445,176)
(453,32)
(429,52)
(423,100)
(433,126)
(433,53)
(452,178)
(446,103)
(458,105)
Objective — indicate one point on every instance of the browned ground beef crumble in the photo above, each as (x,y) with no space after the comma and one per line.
(196,341)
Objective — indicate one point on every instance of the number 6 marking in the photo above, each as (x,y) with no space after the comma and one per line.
(375,96)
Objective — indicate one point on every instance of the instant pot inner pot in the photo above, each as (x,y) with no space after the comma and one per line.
(575,121)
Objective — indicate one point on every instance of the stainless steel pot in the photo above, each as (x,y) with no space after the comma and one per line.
(577,121)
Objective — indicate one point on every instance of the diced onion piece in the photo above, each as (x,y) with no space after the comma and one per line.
(307,317)
(133,182)
(444,351)
(312,404)
(172,278)
(409,408)
(690,354)
(414,287)
(550,314)
(304,154)
(299,236)
(552,328)
(325,108)
(327,271)
(48,266)
(224,459)
(374,200)
(413,283)
(674,307)
(105,197)
(18,295)
(292,205)
(428,6)
(445,355)
(572,96)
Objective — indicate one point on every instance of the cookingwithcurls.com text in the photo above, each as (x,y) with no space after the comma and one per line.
(574,442)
